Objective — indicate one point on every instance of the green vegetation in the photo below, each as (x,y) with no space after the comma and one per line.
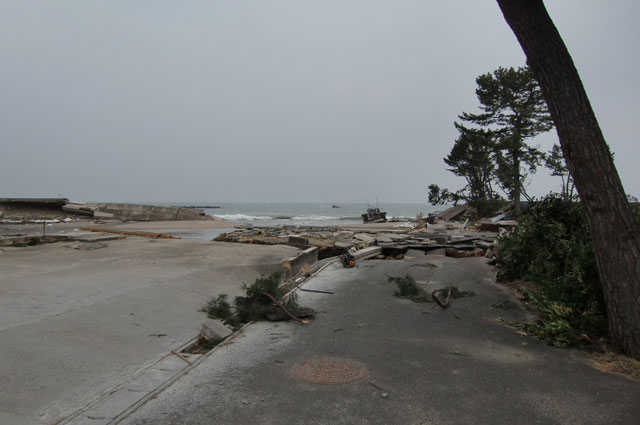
(218,308)
(256,304)
(552,247)
(493,152)
(406,287)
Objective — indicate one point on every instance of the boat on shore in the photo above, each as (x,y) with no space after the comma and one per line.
(374,215)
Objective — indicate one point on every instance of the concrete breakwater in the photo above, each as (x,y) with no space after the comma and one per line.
(20,208)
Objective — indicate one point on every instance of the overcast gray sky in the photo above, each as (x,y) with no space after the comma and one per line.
(275,100)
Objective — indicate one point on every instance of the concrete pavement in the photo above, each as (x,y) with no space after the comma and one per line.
(423,365)
(76,324)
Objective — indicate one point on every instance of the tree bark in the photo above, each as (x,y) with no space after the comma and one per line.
(615,234)
(516,194)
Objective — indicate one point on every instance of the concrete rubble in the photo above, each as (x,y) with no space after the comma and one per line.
(444,238)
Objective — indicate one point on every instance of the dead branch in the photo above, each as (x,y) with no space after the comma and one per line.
(282,307)
(438,301)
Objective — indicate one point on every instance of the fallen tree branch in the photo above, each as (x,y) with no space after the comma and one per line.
(438,301)
(182,357)
(282,308)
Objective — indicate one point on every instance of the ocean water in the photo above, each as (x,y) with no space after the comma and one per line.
(309,214)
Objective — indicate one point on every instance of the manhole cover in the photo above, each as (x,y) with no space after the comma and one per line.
(329,370)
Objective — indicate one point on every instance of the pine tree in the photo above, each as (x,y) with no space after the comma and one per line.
(514,111)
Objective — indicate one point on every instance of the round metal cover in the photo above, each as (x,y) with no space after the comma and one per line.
(329,370)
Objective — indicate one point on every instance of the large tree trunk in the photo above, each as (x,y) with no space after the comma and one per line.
(516,192)
(616,235)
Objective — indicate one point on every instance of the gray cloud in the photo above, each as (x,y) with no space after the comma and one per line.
(274,100)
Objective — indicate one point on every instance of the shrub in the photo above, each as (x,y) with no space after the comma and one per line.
(254,305)
(218,308)
(552,247)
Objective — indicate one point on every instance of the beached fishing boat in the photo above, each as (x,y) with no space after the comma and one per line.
(374,215)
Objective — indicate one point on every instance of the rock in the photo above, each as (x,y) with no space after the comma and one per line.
(214,330)
(1,214)
(489,253)
(87,245)
(398,238)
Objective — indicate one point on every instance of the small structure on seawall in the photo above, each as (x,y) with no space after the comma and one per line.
(374,215)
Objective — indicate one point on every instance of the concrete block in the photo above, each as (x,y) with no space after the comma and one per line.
(214,329)
(295,264)
(298,241)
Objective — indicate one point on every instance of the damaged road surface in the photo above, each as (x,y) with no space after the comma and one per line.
(370,357)
(78,325)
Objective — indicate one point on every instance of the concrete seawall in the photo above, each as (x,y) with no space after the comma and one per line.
(148,212)
(62,207)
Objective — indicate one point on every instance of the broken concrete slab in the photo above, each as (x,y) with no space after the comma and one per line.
(87,246)
(383,238)
(452,213)
(148,212)
(298,241)
(364,237)
(369,252)
(483,244)
(95,237)
(441,239)
(343,245)
(214,330)
(458,253)
(296,263)
(495,227)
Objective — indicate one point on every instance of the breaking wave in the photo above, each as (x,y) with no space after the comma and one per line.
(248,217)
(243,217)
